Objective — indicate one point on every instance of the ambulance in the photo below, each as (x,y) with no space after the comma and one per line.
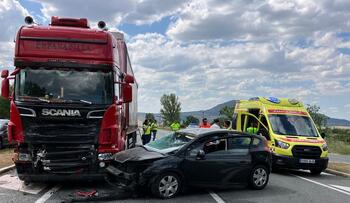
(292,136)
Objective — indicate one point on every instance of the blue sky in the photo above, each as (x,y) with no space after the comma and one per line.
(211,51)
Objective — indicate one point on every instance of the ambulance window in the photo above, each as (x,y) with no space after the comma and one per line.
(242,122)
(264,121)
(262,131)
(234,121)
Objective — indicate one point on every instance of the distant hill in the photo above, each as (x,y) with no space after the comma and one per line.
(214,112)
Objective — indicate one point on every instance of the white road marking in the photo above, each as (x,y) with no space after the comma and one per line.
(342,187)
(216,197)
(327,174)
(12,182)
(48,194)
(324,185)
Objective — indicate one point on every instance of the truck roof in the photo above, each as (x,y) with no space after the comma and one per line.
(62,41)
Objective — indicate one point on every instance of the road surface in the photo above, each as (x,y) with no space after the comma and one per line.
(339,158)
(286,186)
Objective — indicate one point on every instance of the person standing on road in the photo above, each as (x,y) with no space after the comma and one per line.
(175,126)
(154,129)
(146,136)
(216,124)
(205,123)
(227,125)
(253,129)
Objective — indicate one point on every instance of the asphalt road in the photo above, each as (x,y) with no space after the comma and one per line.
(286,186)
(339,158)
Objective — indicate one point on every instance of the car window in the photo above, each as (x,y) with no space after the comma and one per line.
(238,145)
(256,142)
(218,146)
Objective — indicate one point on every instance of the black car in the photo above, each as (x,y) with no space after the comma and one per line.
(194,157)
(3,133)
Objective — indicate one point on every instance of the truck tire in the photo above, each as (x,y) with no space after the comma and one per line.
(316,171)
(167,185)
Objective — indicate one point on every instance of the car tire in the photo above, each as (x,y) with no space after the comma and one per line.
(316,171)
(167,185)
(259,177)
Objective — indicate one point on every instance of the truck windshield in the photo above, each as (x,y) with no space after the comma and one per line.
(64,86)
(292,125)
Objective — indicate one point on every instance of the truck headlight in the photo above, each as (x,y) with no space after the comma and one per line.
(105,156)
(325,147)
(281,144)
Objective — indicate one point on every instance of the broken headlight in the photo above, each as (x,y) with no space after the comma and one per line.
(105,156)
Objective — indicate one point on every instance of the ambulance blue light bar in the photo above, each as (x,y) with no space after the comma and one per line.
(273,100)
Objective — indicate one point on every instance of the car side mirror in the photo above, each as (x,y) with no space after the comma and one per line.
(323,135)
(200,154)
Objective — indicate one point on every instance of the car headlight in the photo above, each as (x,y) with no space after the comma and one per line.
(281,144)
(325,147)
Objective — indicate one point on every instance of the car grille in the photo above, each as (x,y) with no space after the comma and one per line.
(300,151)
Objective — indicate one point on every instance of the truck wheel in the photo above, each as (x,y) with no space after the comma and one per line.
(166,186)
(259,177)
(316,171)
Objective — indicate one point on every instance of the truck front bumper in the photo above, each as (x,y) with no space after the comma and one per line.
(280,161)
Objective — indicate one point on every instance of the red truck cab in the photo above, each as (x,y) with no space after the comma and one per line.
(74,101)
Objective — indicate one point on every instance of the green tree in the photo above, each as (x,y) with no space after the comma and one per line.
(171,108)
(150,116)
(319,119)
(227,111)
(191,119)
(4,108)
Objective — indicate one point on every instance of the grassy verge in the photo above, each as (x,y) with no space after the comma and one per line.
(342,167)
(337,146)
(6,157)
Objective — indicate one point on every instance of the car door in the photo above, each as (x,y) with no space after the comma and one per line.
(216,168)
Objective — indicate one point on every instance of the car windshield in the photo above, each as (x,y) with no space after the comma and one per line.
(64,86)
(172,140)
(293,125)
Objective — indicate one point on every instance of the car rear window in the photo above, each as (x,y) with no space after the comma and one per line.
(238,145)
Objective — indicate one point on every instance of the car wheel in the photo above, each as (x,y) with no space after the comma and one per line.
(166,185)
(316,171)
(259,177)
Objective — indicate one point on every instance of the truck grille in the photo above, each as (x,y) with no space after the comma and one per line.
(300,151)
(62,131)
(67,159)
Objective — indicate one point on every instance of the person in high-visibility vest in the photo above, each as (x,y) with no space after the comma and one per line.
(253,129)
(146,136)
(175,126)
(154,129)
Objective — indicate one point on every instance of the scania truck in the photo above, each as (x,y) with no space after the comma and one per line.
(292,136)
(74,99)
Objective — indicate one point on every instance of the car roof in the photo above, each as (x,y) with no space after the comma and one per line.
(204,131)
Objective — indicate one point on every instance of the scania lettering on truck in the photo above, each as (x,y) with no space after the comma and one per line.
(74,102)
(291,133)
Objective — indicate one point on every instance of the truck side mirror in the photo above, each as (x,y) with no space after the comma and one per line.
(129,79)
(127,93)
(323,135)
(4,73)
(5,84)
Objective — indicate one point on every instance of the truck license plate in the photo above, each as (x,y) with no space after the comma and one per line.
(307,161)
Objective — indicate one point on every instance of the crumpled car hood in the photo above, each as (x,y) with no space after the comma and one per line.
(137,154)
